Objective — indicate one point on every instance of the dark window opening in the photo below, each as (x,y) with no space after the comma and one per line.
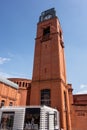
(32,119)
(65,105)
(7,120)
(45,97)
(60,35)
(26,84)
(11,104)
(19,84)
(23,84)
(2,103)
(46,31)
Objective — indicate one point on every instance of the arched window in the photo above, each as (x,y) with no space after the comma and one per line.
(2,103)
(10,103)
(19,84)
(26,84)
(45,97)
(46,31)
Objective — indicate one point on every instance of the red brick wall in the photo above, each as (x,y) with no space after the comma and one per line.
(8,94)
(24,90)
(79,117)
(80,99)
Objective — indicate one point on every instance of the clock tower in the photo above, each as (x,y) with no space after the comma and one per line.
(49,86)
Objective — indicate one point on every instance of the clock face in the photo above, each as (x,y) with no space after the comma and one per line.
(47,16)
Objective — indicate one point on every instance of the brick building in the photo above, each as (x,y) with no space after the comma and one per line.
(24,90)
(48,85)
(78,110)
(9,94)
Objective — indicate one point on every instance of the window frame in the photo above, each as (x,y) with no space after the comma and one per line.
(45,97)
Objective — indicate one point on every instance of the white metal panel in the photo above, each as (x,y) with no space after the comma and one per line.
(19,119)
(46,117)
(51,120)
(18,116)
(8,82)
(46,124)
(42,119)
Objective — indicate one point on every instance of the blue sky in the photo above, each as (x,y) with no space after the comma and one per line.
(18,24)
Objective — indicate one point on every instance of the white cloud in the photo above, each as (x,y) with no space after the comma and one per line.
(4,60)
(83,89)
(82,86)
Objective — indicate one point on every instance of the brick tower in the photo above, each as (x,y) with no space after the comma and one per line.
(49,85)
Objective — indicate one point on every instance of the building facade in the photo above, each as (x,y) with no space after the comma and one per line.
(24,90)
(9,93)
(78,110)
(48,85)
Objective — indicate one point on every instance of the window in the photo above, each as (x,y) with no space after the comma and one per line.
(65,105)
(32,119)
(7,121)
(11,104)
(19,84)
(46,31)
(23,84)
(60,35)
(45,97)
(26,84)
(46,34)
(2,103)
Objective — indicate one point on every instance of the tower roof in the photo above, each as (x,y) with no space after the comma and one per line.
(50,13)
